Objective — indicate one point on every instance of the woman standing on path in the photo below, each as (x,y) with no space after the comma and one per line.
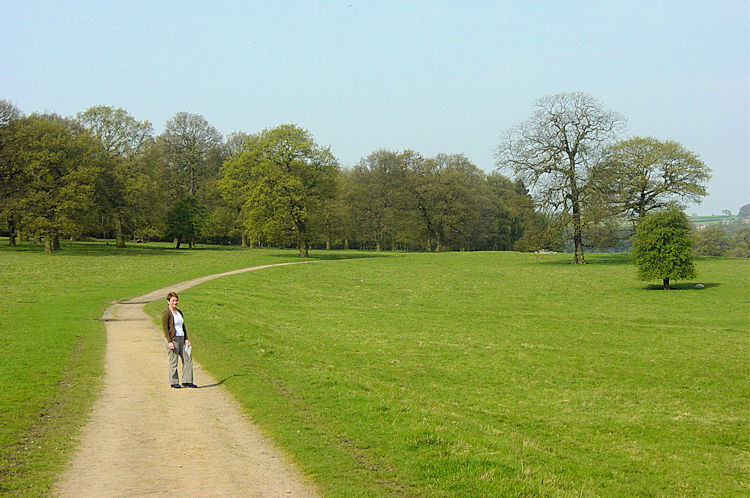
(177,343)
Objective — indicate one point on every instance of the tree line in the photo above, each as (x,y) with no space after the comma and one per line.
(104,173)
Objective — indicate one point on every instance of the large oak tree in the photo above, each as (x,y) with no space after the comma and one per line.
(552,152)
(282,177)
(641,174)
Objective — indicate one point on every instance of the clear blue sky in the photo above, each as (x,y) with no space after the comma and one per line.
(432,76)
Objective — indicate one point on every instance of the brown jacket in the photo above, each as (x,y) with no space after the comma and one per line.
(167,325)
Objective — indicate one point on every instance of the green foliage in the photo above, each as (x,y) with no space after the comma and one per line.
(483,374)
(121,190)
(710,242)
(184,221)
(662,247)
(740,243)
(281,178)
(640,174)
(56,166)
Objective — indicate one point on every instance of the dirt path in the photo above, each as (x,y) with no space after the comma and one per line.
(145,438)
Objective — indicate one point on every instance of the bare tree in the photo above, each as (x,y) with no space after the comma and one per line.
(553,151)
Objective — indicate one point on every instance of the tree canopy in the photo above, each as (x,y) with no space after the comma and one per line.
(662,247)
(282,177)
(640,174)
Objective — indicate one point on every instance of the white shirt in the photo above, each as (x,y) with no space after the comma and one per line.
(179,330)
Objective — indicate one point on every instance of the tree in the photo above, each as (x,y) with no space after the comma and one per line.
(193,153)
(282,178)
(379,197)
(59,165)
(662,247)
(711,242)
(554,150)
(512,216)
(11,180)
(642,174)
(184,221)
(740,243)
(123,139)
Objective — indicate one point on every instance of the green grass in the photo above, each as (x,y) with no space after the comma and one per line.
(489,374)
(52,345)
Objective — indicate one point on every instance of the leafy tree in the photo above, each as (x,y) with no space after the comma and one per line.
(59,165)
(711,242)
(662,247)
(380,197)
(739,246)
(511,214)
(554,150)
(123,138)
(11,179)
(283,178)
(185,220)
(642,174)
(744,211)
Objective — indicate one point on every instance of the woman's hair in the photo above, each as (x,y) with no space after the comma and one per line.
(171,295)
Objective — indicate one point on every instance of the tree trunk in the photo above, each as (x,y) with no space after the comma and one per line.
(177,242)
(120,236)
(244,240)
(12,230)
(346,244)
(48,244)
(666,284)
(55,242)
(578,258)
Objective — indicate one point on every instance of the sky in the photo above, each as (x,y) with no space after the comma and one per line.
(431,76)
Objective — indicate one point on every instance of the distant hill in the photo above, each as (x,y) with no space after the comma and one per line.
(744,211)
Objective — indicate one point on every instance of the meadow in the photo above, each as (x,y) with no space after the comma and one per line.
(489,374)
(53,346)
(410,374)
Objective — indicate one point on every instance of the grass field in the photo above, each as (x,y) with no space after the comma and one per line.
(52,346)
(489,374)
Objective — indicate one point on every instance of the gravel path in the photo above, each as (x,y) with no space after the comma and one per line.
(145,438)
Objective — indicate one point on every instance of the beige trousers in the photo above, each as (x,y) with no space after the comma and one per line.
(187,361)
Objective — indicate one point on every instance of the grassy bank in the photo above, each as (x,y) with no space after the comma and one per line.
(52,345)
(489,374)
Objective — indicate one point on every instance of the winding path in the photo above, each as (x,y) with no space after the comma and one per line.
(144,438)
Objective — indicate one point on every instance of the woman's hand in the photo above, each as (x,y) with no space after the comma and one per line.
(187,342)
(171,345)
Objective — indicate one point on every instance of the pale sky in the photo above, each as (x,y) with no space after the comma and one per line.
(431,76)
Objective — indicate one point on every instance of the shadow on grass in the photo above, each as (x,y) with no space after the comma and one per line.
(682,286)
(334,255)
(97,248)
(222,381)
(591,259)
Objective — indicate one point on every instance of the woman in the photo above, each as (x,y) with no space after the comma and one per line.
(177,343)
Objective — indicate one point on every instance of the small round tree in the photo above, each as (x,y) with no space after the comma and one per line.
(662,247)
